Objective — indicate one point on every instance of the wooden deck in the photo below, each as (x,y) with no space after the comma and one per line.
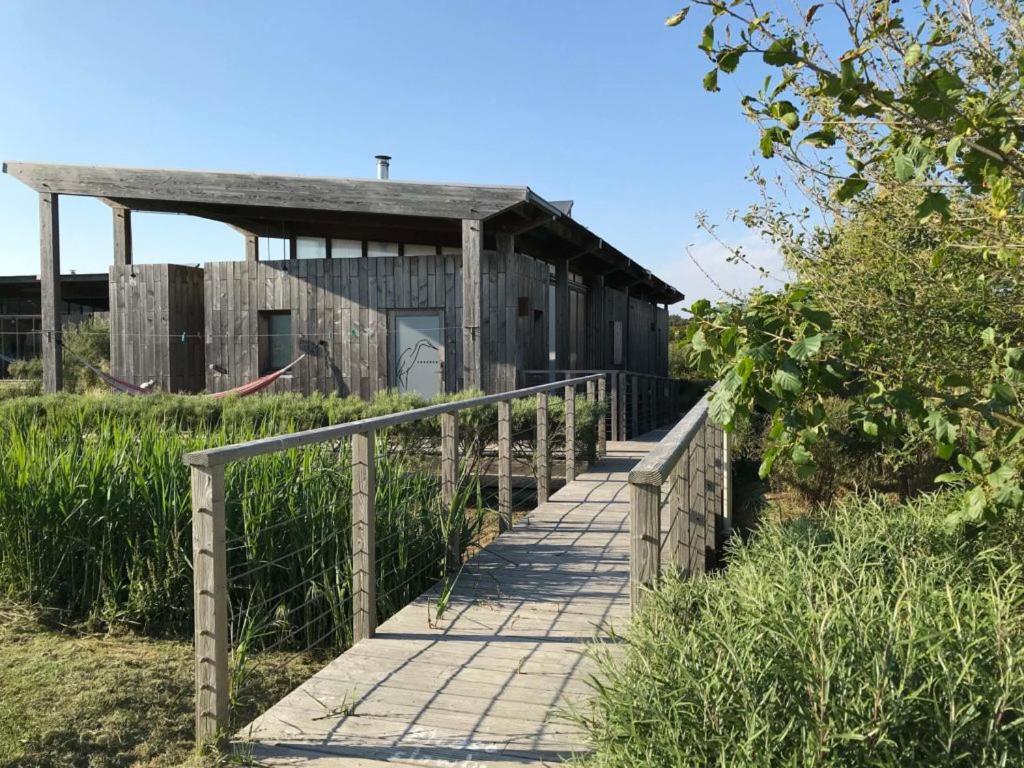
(489,684)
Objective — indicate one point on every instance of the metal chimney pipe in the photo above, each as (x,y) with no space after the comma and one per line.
(383,164)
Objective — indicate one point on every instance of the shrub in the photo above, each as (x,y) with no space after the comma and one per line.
(865,636)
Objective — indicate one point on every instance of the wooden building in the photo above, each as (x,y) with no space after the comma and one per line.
(379,283)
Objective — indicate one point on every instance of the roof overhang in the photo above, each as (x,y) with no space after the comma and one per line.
(288,206)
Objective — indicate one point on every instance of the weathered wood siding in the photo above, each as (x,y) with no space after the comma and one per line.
(341,320)
(156,326)
(644,332)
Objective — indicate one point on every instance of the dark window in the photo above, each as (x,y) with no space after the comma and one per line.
(277,345)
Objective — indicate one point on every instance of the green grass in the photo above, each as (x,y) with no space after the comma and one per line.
(105,701)
(864,635)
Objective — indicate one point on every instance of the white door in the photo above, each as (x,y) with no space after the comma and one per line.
(416,360)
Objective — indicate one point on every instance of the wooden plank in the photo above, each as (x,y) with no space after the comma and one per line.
(635,404)
(364,537)
(252,248)
(122,236)
(472,346)
(602,424)
(570,433)
(616,405)
(449,484)
(50,293)
(209,558)
(678,550)
(504,465)
(644,539)
(543,460)
(562,314)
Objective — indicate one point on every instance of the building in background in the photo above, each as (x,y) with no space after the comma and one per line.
(373,283)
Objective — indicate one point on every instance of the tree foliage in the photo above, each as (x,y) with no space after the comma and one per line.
(900,128)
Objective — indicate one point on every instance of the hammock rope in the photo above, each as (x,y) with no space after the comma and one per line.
(249,388)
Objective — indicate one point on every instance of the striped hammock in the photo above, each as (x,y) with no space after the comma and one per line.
(127,388)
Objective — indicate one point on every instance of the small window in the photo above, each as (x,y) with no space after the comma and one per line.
(381,250)
(346,249)
(310,248)
(419,250)
(277,345)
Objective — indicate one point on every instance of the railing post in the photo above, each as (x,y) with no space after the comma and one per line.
(636,406)
(727,483)
(679,515)
(364,537)
(697,506)
(570,433)
(616,406)
(644,539)
(449,482)
(712,499)
(504,466)
(210,573)
(591,391)
(602,442)
(543,468)
(623,428)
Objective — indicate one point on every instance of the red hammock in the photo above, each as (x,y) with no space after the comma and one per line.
(128,388)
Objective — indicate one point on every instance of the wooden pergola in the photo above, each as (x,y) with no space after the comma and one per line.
(474,217)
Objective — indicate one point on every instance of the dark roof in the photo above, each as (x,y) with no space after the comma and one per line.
(277,205)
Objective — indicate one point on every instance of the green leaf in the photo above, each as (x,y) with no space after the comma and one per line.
(786,380)
(710,81)
(744,368)
(721,406)
(806,347)
(933,203)
(820,139)
(913,54)
(870,427)
(904,167)
(781,53)
(675,21)
(800,454)
(707,38)
(850,188)
(988,337)
(729,59)
(699,342)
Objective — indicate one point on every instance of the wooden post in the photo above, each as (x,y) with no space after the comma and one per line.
(615,406)
(591,391)
(543,468)
(472,345)
(122,236)
(562,314)
(711,497)
(644,540)
(623,428)
(364,537)
(602,443)
(570,434)
(504,465)
(697,514)
(49,279)
(727,483)
(449,482)
(210,585)
(636,406)
(252,247)
(679,515)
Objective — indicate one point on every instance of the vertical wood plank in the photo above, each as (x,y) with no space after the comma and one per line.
(570,434)
(615,406)
(602,442)
(727,483)
(505,465)
(252,248)
(364,537)
(49,279)
(635,402)
(562,314)
(644,541)
(679,520)
(209,558)
(472,347)
(449,482)
(543,460)
(711,507)
(122,236)
(698,511)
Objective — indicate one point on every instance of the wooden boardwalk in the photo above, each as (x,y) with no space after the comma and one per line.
(488,684)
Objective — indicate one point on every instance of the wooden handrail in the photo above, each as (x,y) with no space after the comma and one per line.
(228,453)
(655,467)
(693,462)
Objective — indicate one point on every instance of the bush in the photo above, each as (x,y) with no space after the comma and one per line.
(866,636)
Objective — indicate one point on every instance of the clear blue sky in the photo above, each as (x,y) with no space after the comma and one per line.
(594,101)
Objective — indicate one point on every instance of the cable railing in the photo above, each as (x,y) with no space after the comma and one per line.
(680,502)
(637,402)
(302,542)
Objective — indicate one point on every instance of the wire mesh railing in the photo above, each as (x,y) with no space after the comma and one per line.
(303,542)
(680,501)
